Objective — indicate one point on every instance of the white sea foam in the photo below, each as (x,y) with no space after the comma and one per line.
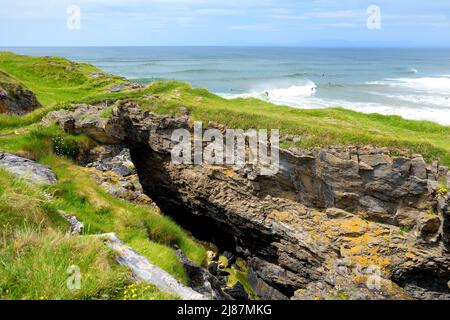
(430,84)
(292,95)
(438,115)
(437,101)
(424,107)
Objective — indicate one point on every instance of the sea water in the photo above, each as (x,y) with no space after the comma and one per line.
(413,83)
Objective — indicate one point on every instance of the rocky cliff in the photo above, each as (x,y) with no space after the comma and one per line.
(14,97)
(353,222)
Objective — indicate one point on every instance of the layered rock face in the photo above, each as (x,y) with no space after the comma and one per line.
(15,98)
(349,222)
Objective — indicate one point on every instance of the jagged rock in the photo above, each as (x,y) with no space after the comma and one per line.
(15,98)
(428,226)
(122,170)
(125,86)
(76,227)
(211,255)
(27,169)
(406,217)
(102,152)
(419,168)
(237,292)
(117,176)
(335,213)
(229,256)
(280,223)
(84,118)
(213,267)
(184,111)
(444,210)
(203,280)
(117,87)
(97,75)
(262,289)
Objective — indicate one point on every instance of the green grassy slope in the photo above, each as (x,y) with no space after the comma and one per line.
(77,193)
(55,79)
(29,218)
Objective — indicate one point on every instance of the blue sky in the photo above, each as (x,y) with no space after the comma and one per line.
(230,22)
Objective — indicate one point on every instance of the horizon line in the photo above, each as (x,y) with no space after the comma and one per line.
(237,46)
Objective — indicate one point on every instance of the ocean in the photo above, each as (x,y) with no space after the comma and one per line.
(412,83)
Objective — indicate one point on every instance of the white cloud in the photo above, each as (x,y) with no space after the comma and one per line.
(217,12)
(337,25)
(337,14)
(286,17)
(185,21)
(254,27)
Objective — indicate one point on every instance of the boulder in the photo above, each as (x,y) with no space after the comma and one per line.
(237,292)
(444,209)
(428,226)
(117,87)
(15,98)
(115,173)
(26,169)
(229,256)
(419,168)
(213,267)
(76,227)
(335,213)
(406,217)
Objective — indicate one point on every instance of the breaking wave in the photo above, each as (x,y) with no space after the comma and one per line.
(430,84)
(292,95)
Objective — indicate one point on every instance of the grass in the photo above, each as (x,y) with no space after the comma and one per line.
(241,276)
(341,295)
(405,229)
(316,128)
(64,82)
(55,79)
(77,193)
(57,82)
(34,266)
(38,140)
(144,229)
(26,208)
(35,251)
(142,291)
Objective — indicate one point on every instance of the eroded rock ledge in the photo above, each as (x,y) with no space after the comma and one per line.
(15,98)
(26,169)
(326,226)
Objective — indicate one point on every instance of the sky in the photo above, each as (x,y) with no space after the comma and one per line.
(223,23)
